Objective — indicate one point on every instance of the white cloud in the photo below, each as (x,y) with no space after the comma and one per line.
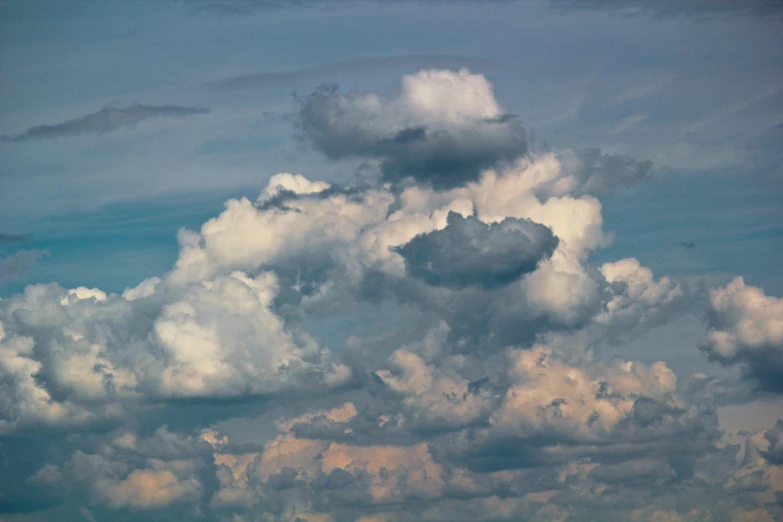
(745,327)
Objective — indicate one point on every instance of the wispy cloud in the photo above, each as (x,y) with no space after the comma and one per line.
(353,66)
(13,238)
(18,264)
(105,120)
(674,8)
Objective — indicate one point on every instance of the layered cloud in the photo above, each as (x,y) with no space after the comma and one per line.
(464,384)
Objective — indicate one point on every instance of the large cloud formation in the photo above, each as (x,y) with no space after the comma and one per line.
(465,388)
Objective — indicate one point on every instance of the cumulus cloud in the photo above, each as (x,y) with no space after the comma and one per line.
(105,120)
(745,327)
(465,388)
(443,129)
(637,301)
(77,357)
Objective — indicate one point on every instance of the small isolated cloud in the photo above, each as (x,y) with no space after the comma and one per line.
(18,264)
(443,129)
(470,252)
(746,328)
(599,172)
(105,120)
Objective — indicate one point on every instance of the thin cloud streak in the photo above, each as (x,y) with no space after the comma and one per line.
(353,66)
(105,120)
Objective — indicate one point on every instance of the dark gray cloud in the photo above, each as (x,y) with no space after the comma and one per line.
(470,252)
(105,120)
(415,137)
(18,264)
(347,67)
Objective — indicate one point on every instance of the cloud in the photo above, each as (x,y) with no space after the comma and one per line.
(410,351)
(344,67)
(774,439)
(77,358)
(105,120)
(443,129)
(673,8)
(13,238)
(19,263)
(469,252)
(596,172)
(745,327)
(244,6)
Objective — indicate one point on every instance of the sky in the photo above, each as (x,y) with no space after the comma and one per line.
(391,261)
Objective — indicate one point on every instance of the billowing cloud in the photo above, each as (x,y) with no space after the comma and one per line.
(443,129)
(745,327)
(105,120)
(78,357)
(463,386)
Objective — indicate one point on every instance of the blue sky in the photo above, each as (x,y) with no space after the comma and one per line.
(125,122)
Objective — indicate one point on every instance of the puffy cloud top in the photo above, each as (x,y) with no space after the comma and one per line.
(444,128)
(746,328)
